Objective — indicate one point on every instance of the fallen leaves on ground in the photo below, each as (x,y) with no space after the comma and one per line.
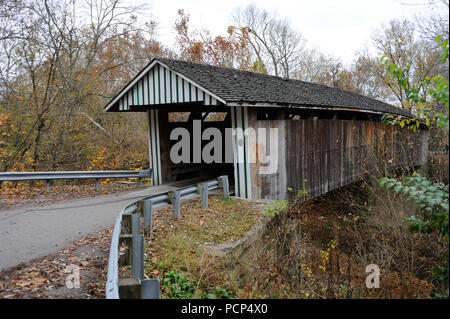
(37,195)
(46,277)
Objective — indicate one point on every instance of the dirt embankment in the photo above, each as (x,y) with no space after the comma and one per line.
(321,248)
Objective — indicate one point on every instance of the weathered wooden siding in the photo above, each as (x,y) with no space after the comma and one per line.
(159,85)
(332,153)
(239,122)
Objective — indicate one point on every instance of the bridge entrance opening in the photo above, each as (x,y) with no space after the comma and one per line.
(184,137)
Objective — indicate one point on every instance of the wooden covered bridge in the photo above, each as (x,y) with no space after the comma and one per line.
(326,136)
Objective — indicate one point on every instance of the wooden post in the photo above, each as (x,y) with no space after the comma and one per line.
(150,289)
(140,207)
(148,212)
(170,197)
(137,265)
(129,288)
(204,194)
(136,224)
(125,258)
(126,238)
(126,224)
(223,182)
(175,198)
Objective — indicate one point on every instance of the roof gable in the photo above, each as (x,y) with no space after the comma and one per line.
(157,84)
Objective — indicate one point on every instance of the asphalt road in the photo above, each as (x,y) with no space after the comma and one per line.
(29,232)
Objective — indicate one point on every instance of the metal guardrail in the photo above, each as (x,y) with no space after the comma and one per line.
(127,230)
(48,176)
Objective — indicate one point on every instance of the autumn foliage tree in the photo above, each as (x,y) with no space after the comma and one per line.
(59,71)
(231,51)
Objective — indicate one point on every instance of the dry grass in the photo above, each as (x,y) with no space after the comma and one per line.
(183,245)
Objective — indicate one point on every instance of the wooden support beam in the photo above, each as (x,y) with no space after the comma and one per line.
(129,288)
(126,224)
(224,184)
(174,199)
(125,257)
(150,289)
(148,212)
(136,224)
(137,265)
(203,190)
(205,116)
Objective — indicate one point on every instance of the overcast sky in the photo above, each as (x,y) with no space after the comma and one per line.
(336,27)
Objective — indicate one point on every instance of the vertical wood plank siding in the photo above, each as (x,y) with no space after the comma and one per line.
(154,147)
(332,153)
(162,86)
(239,122)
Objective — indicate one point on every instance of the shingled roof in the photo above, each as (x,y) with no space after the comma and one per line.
(236,86)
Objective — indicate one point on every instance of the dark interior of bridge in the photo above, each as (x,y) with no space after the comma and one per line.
(211,117)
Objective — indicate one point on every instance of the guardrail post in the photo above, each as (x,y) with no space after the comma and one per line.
(223,182)
(176,204)
(135,224)
(125,258)
(96,184)
(140,206)
(47,185)
(204,194)
(174,199)
(126,224)
(137,265)
(150,289)
(129,288)
(148,212)
(138,181)
(127,239)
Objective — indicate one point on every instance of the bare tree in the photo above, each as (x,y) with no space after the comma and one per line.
(397,41)
(78,46)
(276,45)
(9,10)
(430,26)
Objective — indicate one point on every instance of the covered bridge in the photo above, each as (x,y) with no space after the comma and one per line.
(326,136)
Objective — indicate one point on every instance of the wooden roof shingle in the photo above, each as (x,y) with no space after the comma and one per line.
(243,87)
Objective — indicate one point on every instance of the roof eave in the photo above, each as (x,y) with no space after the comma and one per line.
(305,106)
